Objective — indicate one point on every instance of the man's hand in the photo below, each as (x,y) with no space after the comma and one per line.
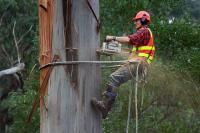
(109,38)
(122,39)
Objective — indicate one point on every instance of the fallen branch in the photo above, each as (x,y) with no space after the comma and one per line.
(12,70)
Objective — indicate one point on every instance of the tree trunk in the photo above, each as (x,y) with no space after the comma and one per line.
(68,31)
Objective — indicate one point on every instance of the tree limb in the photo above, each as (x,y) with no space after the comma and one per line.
(12,70)
(16,43)
(20,39)
(1,19)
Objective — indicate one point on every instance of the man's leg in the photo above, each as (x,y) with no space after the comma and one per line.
(117,78)
(106,104)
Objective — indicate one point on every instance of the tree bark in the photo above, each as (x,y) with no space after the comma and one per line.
(66,107)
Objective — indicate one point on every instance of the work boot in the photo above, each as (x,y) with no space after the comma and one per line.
(106,104)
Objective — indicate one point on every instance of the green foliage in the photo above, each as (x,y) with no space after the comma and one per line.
(116,16)
(20,105)
(179,42)
(24,13)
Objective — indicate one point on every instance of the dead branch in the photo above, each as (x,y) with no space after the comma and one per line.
(16,43)
(20,39)
(1,19)
(12,70)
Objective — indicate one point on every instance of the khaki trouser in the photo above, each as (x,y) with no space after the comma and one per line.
(127,72)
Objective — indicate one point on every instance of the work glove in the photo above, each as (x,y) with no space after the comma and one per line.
(110,38)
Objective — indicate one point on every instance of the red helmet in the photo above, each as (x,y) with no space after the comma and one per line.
(142,14)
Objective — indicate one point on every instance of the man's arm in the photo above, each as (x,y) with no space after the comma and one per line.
(142,36)
(123,39)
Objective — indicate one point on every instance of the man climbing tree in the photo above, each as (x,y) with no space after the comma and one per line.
(141,56)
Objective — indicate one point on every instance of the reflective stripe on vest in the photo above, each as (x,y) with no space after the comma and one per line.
(150,58)
(146,48)
(142,50)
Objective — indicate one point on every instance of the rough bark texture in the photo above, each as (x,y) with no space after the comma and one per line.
(45,23)
(66,107)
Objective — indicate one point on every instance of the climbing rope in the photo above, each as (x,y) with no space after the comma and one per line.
(136,107)
(129,109)
(81,62)
(142,97)
(136,101)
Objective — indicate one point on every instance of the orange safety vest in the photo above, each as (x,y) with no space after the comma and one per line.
(147,51)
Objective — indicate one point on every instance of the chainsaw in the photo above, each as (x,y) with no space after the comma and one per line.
(111,47)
